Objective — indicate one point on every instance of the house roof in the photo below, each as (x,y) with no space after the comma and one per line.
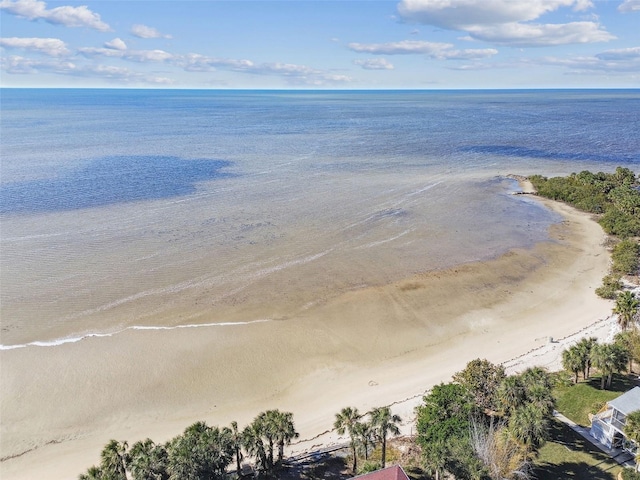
(627,402)
(390,473)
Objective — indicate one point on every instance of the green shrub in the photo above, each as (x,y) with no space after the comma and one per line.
(629,474)
(625,256)
(611,285)
(619,223)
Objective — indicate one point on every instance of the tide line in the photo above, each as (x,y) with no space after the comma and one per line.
(63,341)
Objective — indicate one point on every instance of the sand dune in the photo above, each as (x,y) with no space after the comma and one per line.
(368,347)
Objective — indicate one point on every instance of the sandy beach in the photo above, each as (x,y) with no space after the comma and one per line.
(368,347)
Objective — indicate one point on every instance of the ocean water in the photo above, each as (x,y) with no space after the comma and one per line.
(156,209)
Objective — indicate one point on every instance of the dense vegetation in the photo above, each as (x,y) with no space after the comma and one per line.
(485,424)
(200,453)
(615,198)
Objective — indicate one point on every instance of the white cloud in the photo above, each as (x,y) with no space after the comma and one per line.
(140,56)
(116,44)
(458,14)
(629,6)
(123,75)
(405,47)
(68,16)
(505,22)
(299,74)
(374,64)
(17,65)
(194,62)
(53,47)
(467,54)
(610,62)
(440,51)
(537,35)
(142,31)
(632,53)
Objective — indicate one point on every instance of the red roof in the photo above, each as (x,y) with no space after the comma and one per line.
(390,473)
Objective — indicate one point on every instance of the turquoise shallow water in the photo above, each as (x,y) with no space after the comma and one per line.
(128,208)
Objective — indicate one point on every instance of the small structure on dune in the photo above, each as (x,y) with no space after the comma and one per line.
(390,473)
(607,426)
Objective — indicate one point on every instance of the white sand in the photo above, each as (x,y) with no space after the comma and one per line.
(367,348)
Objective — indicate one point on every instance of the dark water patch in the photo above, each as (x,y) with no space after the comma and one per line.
(518,151)
(112,180)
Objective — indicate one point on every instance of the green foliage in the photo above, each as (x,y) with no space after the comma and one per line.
(200,453)
(529,424)
(628,474)
(443,424)
(625,257)
(618,223)
(347,421)
(627,305)
(609,358)
(269,430)
(481,378)
(113,461)
(92,473)
(148,461)
(368,467)
(572,361)
(632,427)
(613,195)
(611,285)
(384,423)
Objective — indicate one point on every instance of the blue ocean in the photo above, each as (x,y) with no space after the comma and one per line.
(170,208)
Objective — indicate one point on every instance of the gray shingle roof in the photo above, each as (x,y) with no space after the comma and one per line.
(627,402)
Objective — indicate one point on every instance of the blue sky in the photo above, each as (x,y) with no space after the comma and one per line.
(416,44)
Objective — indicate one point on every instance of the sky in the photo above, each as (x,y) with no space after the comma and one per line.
(321,44)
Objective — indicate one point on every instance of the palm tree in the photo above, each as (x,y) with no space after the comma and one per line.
(347,421)
(529,425)
(626,307)
(626,340)
(112,463)
(201,452)
(266,425)
(148,461)
(384,423)
(253,444)
(572,361)
(609,358)
(632,431)
(237,446)
(537,385)
(585,346)
(510,394)
(284,431)
(93,473)
(365,437)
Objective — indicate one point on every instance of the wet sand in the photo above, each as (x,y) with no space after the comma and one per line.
(365,348)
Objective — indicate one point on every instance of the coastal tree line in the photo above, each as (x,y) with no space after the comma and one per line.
(203,452)
(615,199)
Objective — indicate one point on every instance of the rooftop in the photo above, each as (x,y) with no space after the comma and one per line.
(390,473)
(627,402)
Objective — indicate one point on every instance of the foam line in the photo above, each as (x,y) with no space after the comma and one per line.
(63,341)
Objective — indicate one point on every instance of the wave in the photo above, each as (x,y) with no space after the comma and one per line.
(63,341)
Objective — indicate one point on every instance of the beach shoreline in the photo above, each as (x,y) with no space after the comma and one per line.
(377,346)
